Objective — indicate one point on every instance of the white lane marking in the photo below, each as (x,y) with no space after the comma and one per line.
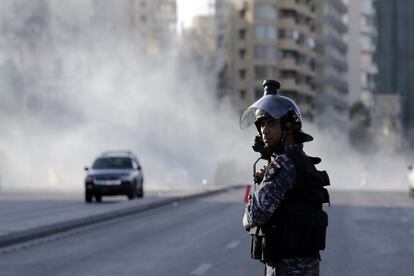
(233,244)
(201,269)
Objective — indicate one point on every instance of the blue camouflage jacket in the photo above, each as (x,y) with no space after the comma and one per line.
(279,177)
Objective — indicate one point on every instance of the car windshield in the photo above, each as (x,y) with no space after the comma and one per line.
(112,163)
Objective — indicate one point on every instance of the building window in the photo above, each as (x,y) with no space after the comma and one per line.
(291,54)
(242,13)
(289,33)
(268,52)
(242,94)
(265,11)
(265,72)
(260,72)
(265,32)
(242,34)
(242,74)
(242,53)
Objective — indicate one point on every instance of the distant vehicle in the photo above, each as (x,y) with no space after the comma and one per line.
(410,177)
(114,173)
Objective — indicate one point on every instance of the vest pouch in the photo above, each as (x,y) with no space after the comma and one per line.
(256,244)
(306,231)
(256,247)
(271,244)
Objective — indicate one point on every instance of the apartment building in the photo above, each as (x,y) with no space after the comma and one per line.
(268,39)
(362,36)
(332,66)
(395,56)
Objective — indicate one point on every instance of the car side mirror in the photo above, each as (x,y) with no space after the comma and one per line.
(86,169)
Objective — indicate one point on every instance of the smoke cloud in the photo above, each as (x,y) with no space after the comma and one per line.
(70,89)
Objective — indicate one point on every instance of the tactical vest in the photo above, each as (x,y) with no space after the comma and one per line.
(297,228)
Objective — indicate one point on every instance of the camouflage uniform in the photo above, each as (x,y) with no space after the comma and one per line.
(279,177)
(294,267)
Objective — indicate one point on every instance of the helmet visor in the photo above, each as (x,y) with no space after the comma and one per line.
(276,106)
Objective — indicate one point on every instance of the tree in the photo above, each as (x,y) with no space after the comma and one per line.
(359,132)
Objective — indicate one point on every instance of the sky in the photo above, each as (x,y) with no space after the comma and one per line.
(189,8)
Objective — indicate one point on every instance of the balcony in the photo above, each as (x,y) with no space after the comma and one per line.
(306,70)
(340,64)
(332,40)
(333,81)
(287,64)
(339,6)
(305,10)
(306,89)
(287,4)
(336,22)
(287,44)
(300,8)
(287,22)
(288,84)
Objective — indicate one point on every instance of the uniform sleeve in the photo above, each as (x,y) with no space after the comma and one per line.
(279,177)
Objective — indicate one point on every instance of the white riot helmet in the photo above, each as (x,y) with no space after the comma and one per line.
(277,107)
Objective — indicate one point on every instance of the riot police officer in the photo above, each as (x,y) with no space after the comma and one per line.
(284,214)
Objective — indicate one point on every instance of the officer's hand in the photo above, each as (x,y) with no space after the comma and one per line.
(260,174)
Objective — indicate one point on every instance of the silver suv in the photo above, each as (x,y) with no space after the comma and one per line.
(114,173)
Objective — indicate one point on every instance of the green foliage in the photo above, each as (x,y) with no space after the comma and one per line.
(360,114)
(359,132)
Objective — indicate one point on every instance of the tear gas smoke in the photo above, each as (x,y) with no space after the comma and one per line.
(69,90)
(72,93)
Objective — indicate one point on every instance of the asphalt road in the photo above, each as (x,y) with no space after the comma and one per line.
(197,237)
(370,233)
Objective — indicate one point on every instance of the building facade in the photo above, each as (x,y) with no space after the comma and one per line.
(362,36)
(332,66)
(395,56)
(268,39)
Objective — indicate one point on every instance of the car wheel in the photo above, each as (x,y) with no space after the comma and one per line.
(88,197)
(131,195)
(98,198)
(140,192)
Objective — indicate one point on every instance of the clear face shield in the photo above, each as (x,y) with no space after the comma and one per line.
(274,105)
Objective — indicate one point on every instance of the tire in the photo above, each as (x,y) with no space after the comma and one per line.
(140,191)
(98,198)
(131,194)
(88,197)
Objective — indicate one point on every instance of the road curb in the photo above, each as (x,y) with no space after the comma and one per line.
(51,229)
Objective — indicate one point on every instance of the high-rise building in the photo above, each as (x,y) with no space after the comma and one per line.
(332,67)
(50,46)
(362,39)
(284,40)
(198,46)
(395,55)
(41,33)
